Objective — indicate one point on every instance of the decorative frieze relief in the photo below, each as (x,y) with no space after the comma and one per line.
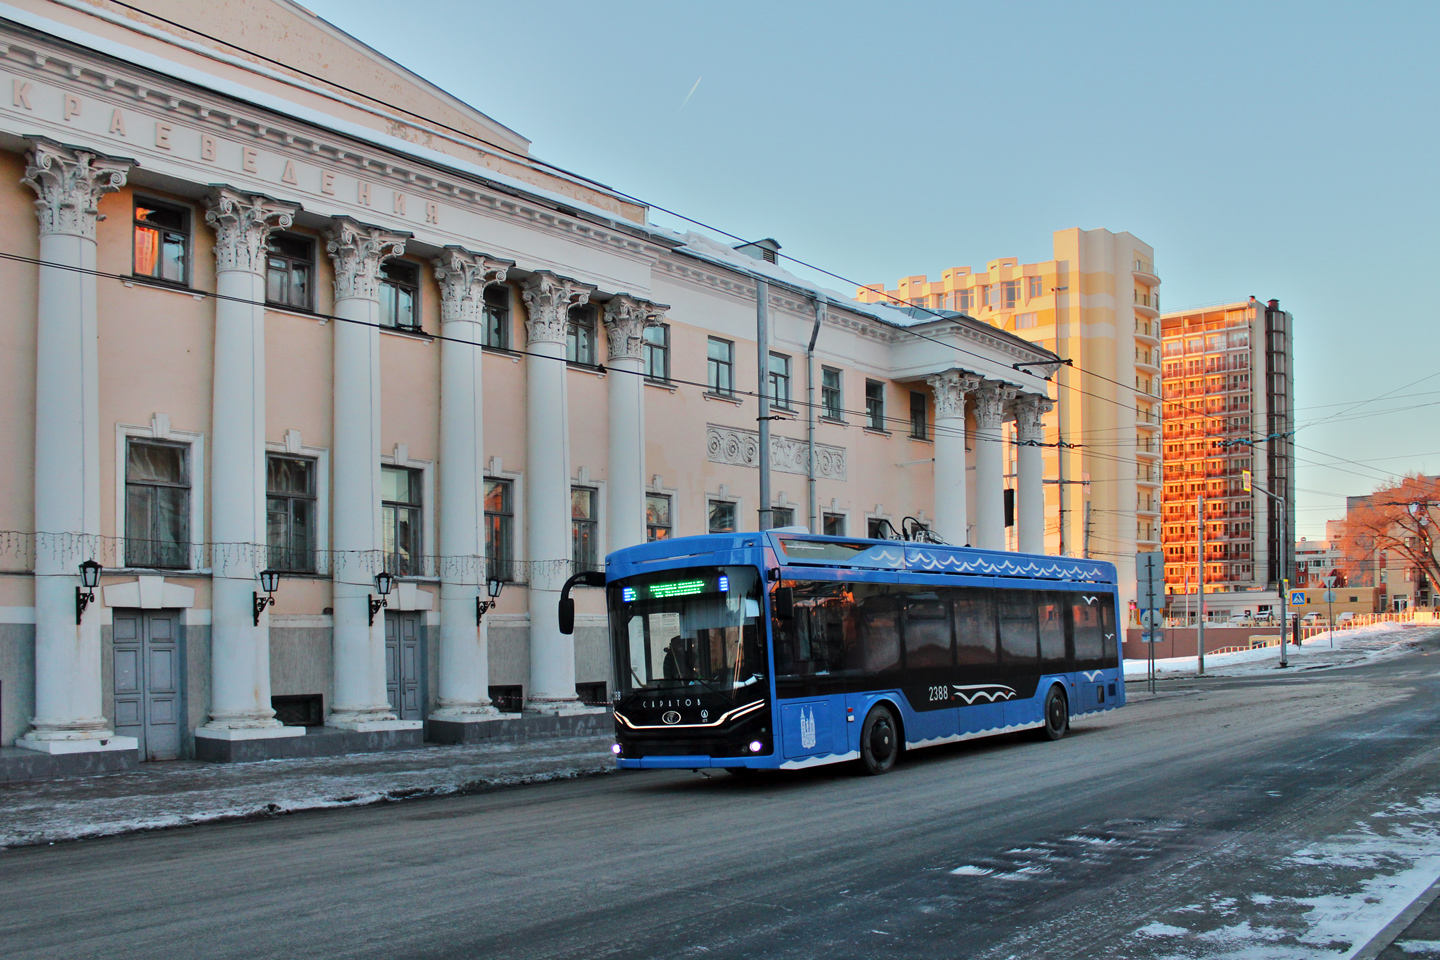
(358,250)
(741,448)
(548,299)
(626,318)
(463,277)
(243,223)
(70,183)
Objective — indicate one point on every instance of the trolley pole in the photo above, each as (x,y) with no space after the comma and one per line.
(1200,581)
(762,346)
(1283,579)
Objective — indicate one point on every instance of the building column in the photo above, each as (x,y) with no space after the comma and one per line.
(951,514)
(990,402)
(68,713)
(548,300)
(464,694)
(360,702)
(625,321)
(239,648)
(1030,410)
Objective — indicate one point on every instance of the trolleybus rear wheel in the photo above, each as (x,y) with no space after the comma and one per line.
(1057,715)
(879,741)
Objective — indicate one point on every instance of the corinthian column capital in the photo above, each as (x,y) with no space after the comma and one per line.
(1030,410)
(990,402)
(358,250)
(463,277)
(626,318)
(951,388)
(548,300)
(243,223)
(70,183)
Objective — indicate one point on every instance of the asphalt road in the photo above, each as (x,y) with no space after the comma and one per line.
(1284,816)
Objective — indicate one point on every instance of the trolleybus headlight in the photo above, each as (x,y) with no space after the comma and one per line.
(756,746)
(615,748)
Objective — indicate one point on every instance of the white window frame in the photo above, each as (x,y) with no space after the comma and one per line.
(428,534)
(160,429)
(582,478)
(657,486)
(727,497)
(292,446)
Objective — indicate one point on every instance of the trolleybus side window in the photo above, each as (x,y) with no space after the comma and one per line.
(1085,617)
(1052,632)
(1107,628)
(975,628)
(927,632)
(814,640)
(1018,639)
(880,632)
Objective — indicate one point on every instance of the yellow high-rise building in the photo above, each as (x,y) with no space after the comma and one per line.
(1095,304)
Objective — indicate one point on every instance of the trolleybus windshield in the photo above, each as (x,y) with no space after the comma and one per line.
(693,628)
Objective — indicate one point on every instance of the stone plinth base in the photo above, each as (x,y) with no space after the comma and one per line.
(18,763)
(58,747)
(317,742)
(247,733)
(561,708)
(511,727)
(374,726)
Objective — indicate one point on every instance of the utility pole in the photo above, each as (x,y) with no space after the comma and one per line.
(1200,580)
(1283,579)
(762,347)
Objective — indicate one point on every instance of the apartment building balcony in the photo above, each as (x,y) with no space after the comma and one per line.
(1144,271)
(1147,305)
(1148,331)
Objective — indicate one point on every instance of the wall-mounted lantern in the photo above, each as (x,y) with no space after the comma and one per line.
(269,580)
(382,587)
(493,586)
(85,595)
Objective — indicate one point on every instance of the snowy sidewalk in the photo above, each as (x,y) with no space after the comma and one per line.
(185,792)
(1377,641)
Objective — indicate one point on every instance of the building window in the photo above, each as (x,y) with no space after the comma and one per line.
(918,427)
(580,336)
(162,241)
(499,529)
(290,271)
(965,299)
(782,516)
(584,528)
(400,294)
(875,404)
(400,503)
(721,367)
(657,516)
(722,517)
(157,504)
(832,401)
(780,380)
(290,513)
(877,528)
(832,524)
(1037,286)
(657,351)
(496,330)
(1024,321)
(1010,293)
(991,293)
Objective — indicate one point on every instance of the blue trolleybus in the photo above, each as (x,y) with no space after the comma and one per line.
(785,649)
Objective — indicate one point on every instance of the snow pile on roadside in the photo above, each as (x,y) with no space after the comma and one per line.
(1378,640)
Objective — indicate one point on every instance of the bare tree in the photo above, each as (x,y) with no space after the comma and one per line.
(1398,520)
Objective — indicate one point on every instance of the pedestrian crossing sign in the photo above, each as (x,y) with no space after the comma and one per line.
(1297,598)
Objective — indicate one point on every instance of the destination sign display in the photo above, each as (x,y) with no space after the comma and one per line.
(684,587)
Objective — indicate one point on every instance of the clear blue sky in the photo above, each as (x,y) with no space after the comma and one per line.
(1282,150)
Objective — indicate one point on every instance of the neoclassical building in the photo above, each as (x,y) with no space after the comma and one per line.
(284,343)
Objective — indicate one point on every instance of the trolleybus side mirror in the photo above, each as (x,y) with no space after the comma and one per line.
(587,578)
(782,603)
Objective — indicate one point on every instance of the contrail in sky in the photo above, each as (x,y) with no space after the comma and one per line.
(691,93)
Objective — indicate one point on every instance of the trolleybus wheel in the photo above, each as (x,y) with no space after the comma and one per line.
(1057,715)
(879,741)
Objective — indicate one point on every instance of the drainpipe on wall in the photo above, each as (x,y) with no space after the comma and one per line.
(762,346)
(821,306)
